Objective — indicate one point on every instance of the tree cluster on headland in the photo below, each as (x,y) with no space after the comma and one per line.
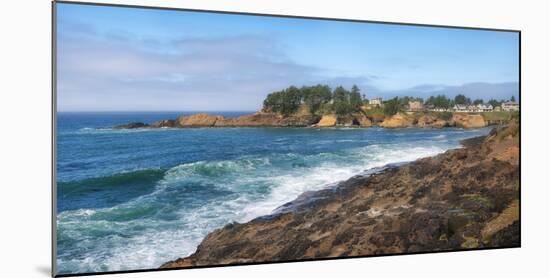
(443,101)
(318,99)
(321,99)
(321,106)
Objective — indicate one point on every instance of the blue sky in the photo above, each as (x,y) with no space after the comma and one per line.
(124,59)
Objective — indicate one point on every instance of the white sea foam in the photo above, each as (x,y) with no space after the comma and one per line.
(161,226)
(107,130)
(292,185)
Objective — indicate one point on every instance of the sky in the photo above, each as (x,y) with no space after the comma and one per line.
(130,59)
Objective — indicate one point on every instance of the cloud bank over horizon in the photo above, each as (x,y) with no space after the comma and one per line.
(167,61)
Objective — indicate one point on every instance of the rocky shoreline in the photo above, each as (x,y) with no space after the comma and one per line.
(270,119)
(465,198)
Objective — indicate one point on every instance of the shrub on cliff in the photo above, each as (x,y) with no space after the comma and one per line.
(391,107)
(445,115)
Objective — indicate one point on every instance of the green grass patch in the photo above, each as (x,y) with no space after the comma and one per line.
(374,110)
(444,115)
(497,115)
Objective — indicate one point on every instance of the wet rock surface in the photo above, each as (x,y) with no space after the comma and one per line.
(131,125)
(466,198)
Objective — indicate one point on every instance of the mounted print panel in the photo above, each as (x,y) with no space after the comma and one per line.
(188,138)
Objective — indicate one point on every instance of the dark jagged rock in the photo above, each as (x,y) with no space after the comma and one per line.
(465,198)
(164,123)
(132,125)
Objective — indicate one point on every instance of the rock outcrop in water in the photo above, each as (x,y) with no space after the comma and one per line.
(398,120)
(465,198)
(327,121)
(263,119)
(359,119)
(468,121)
(164,123)
(198,120)
(363,120)
(431,121)
(132,125)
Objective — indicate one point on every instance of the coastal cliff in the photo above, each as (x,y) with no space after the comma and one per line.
(359,119)
(465,198)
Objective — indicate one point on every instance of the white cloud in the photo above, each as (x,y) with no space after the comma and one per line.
(120,71)
(231,72)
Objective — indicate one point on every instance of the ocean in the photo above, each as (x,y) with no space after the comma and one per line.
(134,199)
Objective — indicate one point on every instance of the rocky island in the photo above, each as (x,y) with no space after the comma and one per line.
(465,198)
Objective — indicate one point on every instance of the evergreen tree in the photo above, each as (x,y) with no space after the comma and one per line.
(355,99)
(494,102)
(316,96)
(341,104)
(462,99)
(391,107)
(478,101)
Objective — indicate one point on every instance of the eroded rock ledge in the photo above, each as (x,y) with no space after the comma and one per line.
(465,198)
(268,119)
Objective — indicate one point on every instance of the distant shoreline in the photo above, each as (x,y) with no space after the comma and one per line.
(356,120)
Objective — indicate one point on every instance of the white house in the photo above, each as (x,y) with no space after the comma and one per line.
(376,101)
(484,108)
(510,106)
(416,106)
(438,109)
(472,108)
(433,108)
(460,108)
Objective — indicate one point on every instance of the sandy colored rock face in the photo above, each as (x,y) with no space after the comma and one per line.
(253,120)
(397,121)
(363,121)
(305,119)
(300,121)
(468,121)
(197,120)
(431,121)
(327,121)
